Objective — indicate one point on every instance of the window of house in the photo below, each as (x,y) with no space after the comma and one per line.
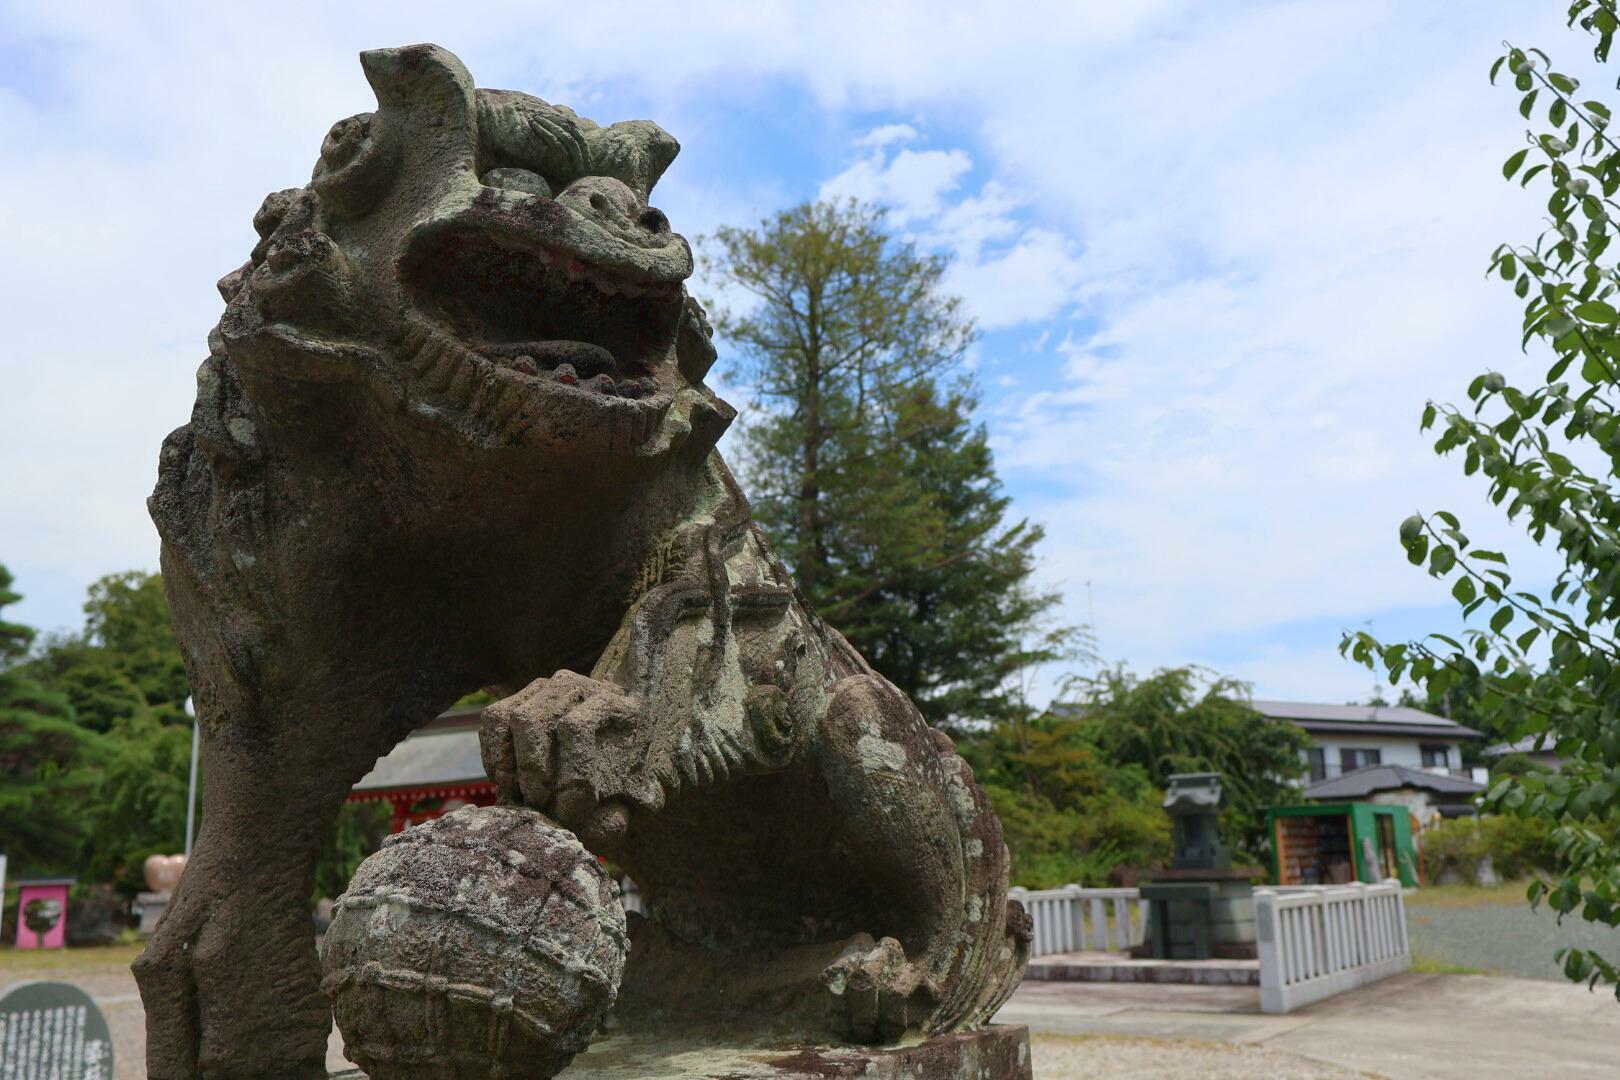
(1351,760)
(1436,757)
(1316,758)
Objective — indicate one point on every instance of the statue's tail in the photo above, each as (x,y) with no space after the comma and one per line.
(996,949)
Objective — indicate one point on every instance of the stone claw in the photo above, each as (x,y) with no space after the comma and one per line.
(569,747)
(876,995)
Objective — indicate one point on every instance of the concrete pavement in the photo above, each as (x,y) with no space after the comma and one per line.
(1410,1027)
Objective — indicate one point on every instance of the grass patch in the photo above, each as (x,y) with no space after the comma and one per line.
(37,963)
(1424,964)
(1455,896)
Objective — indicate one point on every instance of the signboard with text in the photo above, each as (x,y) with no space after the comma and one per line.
(52,1031)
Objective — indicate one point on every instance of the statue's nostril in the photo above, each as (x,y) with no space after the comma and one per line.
(599,202)
(653,220)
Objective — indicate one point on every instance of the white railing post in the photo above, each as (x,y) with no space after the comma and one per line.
(1273,989)
(1122,923)
(1099,925)
(1074,924)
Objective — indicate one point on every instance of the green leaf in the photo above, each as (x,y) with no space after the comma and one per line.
(1512,164)
(1528,103)
(1411,528)
(1463,590)
(1596,311)
(1500,60)
(1563,82)
(1443,558)
(1556,113)
(1499,621)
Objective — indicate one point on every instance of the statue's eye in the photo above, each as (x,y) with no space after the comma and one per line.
(618,723)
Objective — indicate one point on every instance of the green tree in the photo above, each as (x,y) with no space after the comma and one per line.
(865,464)
(1178,720)
(47,761)
(1546,443)
(139,808)
(126,661)
(1069,815)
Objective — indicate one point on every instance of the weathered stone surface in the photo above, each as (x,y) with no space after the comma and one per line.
(485,944)
(453,433)
(992,1053)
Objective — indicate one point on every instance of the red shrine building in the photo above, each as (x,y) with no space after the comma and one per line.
(434,770)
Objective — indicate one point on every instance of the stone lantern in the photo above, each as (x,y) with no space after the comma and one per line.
(1193,803)
(1201,907)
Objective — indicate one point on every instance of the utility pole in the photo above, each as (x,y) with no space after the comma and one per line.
(191,793)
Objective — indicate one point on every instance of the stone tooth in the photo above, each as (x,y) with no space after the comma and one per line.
(565,373)
(511,398)
(603,384)
(440,369)
(486,394)
(526,365)
(463,382)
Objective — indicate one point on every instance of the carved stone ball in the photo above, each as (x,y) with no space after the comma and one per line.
(485,944)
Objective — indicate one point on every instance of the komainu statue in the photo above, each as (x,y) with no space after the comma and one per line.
(452,433)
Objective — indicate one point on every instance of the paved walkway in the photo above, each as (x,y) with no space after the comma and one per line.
(1411,1027)
(1405,1028)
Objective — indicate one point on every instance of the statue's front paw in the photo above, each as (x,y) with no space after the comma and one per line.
(570,747)
(876,995)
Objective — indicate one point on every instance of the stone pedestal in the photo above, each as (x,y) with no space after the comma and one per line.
(1200,915)
(151,906)
(998,1052)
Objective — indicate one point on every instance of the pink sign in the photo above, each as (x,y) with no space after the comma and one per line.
(42,914)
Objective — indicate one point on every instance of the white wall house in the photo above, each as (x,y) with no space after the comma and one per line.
(1351,737)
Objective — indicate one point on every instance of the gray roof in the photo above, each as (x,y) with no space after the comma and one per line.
(1526,745)
(1362,782)
(443,752)
(1383,719)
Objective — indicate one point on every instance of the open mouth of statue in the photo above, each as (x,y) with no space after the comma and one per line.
(547,313)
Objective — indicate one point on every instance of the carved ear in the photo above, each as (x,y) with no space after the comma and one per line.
(416,77)
(424,109)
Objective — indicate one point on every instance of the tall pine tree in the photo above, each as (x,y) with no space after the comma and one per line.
(865,465)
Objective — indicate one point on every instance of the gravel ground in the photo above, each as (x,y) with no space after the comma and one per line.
(1058,1057)
(1508,939)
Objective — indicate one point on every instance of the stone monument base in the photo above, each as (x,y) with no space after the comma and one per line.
(998,1052)
(151,906)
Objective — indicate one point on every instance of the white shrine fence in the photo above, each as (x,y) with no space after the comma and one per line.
(1071,919)
(1314,941)
(1320,940)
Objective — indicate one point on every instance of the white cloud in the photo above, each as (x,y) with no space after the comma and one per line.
(914,183)
(882,136)
(1252,233)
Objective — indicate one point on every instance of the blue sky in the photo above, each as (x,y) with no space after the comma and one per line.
(1221,254)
